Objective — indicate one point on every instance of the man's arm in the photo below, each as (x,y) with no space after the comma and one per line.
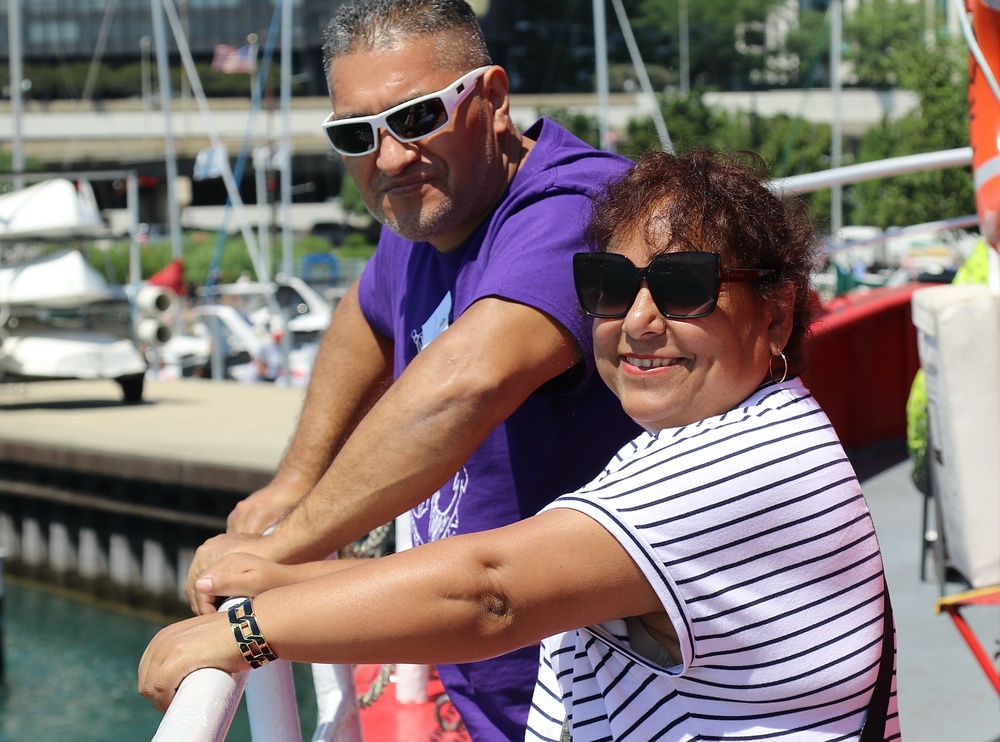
(419,433)
(352,369)
(428,424)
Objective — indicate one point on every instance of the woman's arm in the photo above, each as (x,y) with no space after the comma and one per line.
(461,599)
(246,575)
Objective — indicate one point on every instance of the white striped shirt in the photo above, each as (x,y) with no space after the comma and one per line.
(753,531)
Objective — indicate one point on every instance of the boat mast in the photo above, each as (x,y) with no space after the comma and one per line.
(170,151)
(836,33)
(640,72)
(286,137)
(603,84)
(227,174)
(16,91)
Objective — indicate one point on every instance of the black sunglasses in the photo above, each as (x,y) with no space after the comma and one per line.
(684,285)
(408,122)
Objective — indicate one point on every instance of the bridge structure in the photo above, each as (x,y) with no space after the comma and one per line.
(71,133)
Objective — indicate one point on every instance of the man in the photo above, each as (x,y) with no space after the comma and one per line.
(456,377)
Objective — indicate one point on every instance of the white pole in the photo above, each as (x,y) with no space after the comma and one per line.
(203,708)
(144,43)
(132,204)
(286,142)
(808,182)
(411,680)
(271,706)
(603,85)
(261,158)
(682,13)
(836,192)
(16,91)
(170,151)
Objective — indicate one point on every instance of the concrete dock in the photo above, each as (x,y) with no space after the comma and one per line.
(221,440)
(190,430)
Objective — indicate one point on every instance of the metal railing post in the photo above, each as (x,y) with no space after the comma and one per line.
(338,718)
(271,706)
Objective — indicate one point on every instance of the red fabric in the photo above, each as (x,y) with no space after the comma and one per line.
(171,276)
(862,357)
(388,720)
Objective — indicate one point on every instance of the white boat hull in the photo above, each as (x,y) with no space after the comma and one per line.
(56,209)
(70,356)
(62,280)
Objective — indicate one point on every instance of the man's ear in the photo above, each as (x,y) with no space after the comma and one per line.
(496,89)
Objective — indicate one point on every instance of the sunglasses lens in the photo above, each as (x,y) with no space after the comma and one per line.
(684,290)
(683,285)
(352,139)
(604,285)
(418,120)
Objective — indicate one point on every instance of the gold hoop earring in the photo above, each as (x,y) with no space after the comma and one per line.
(770,368)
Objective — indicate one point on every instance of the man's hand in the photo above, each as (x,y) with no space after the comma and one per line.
(263,508)
(180,649)
(207,555)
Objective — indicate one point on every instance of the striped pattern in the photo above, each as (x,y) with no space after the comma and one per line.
(753,530)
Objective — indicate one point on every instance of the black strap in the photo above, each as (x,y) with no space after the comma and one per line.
(873,729)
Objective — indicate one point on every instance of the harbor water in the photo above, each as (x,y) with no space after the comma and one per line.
(71,672)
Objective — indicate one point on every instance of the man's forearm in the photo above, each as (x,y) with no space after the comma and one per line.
(425,427)
(406,447)
(351,371)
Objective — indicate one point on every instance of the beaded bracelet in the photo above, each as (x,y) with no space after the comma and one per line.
(247,632)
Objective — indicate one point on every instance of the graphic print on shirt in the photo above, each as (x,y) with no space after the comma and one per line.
(438,517)
(435,324)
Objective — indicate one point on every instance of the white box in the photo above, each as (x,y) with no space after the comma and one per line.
(958,338)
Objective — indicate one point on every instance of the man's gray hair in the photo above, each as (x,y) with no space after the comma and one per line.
(364,25)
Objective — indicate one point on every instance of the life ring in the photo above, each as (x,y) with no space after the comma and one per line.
(984,118)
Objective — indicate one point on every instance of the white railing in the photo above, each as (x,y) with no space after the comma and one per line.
(204,707)
(809,182)
(207,699)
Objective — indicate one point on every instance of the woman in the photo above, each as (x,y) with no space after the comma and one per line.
(724,563)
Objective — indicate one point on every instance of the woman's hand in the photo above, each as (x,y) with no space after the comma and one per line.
(239,575)
(207,556)
(180,649)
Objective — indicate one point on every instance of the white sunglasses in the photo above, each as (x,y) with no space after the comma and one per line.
(407,122)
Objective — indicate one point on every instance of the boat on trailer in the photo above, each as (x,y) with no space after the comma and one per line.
(59,317)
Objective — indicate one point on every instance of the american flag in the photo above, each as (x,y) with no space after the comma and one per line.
(235,60)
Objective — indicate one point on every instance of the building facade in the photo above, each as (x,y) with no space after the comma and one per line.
(121,31)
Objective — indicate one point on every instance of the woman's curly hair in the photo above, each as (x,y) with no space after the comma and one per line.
(716,203)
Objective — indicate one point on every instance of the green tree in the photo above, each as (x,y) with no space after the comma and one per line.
(938,76)
(691,124)
(717,31)
(350,197)
(809,42)
(880,38)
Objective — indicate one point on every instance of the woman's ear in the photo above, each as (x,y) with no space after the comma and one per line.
(782,316)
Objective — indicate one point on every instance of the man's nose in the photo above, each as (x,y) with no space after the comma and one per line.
(394,155)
